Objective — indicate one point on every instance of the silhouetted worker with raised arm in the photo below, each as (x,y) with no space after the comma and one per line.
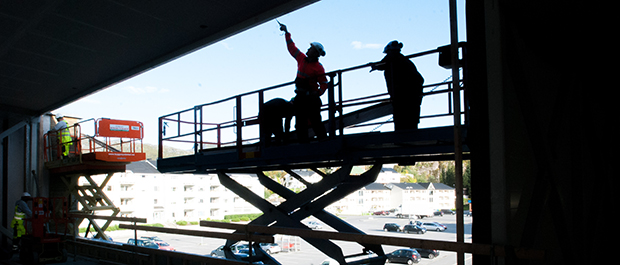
(271,115)
(310,84)
(404,84)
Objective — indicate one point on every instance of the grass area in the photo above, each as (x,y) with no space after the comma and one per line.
(227,219)
(115,228)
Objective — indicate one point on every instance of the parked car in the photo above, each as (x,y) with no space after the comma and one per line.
(143,243)
(314,225)
(438,213)
(246,252)
(381,213)
(161,243)
(94,237)
(392,227)
(414,229)
(270,248)
(165,246)
(153,238)
(427,253)
(404,255)
(109,237)
(442,225)
(448,211)
(236,249)
(433,227)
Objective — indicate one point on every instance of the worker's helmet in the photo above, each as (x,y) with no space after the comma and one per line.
(318,47)
(59,116)
(393,46)
(26,194)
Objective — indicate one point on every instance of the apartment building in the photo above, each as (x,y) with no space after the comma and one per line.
(386,193)
(143,191)
(433,196)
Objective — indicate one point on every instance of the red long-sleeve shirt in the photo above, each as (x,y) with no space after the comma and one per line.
(311,71)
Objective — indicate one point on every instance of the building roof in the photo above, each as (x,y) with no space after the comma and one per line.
(388,170)
(409,186)
(422,186)
(376,186)
(304,173)
(145,167)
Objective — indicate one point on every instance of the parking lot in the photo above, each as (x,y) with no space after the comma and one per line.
(308,255)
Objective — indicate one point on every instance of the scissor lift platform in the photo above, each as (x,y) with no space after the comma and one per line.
(404,147)
(96,154)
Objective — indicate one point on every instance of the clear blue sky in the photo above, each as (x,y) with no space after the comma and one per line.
(353,33)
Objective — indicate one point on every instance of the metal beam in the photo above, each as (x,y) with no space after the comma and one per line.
(188,232)
(481,249)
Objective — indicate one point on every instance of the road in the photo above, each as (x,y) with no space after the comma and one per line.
(308,255)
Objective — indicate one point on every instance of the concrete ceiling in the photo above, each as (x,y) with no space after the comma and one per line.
(55,52)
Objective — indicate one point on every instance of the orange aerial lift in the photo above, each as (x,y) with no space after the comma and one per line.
(112,145)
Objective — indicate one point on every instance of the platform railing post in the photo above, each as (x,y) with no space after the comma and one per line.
(239,124)
(331,106)
(458,155)
(340,111)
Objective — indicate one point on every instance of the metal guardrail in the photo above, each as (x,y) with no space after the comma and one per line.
(98,142)
(191,126)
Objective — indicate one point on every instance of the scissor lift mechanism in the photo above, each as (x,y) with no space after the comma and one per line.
(298,206)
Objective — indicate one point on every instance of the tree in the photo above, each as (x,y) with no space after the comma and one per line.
(467,177)
(448,176)
(276,175)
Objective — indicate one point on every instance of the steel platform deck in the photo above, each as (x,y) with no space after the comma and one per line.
(403,147)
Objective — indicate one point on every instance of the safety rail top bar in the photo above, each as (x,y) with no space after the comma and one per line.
(238,121)
(290,83)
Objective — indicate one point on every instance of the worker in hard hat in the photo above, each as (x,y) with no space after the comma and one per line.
(64,136)
(271,114)
(310,84)
(22,211)
(404,84)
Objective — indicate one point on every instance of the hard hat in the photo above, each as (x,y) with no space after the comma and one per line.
(26,194)
(393,46)
(318,47)
(60,116)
